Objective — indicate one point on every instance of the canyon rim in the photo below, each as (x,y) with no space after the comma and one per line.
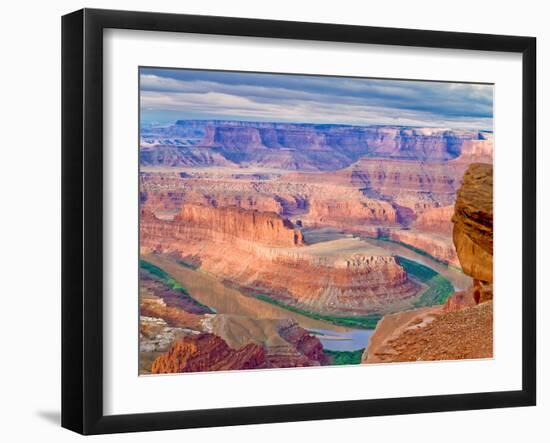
(298,220)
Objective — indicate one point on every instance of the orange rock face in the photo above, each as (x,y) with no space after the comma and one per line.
(207,352)
(250,225)
(228,224)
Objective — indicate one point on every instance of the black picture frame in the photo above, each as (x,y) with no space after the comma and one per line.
(82,218)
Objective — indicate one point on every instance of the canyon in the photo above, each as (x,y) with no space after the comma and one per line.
(254,235)
(265,253)
(463,326)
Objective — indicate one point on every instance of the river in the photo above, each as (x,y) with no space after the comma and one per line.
(459,280)
(207,289)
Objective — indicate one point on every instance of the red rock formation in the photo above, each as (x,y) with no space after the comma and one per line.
(303,341)
(287,345)
(207,352)
(463,326)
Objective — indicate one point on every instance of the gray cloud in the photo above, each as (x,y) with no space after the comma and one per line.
(316,99)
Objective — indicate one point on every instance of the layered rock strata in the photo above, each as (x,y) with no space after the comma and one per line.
(410,184)
(236,223)
(298,146)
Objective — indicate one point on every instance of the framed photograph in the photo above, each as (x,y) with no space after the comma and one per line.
(269,221)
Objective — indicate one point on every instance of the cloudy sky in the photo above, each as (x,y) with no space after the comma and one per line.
(171,94)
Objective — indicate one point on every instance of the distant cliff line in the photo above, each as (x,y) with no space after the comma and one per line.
(275,124)
(307,147)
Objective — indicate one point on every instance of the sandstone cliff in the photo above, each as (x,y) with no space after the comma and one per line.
(260,227)
(227,224)
(348,213)
(463,326)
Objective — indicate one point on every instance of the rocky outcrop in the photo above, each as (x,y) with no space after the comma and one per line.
(207,352)
(297,146)
(287,345)
(462,328)
(473,222)
(305,343)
